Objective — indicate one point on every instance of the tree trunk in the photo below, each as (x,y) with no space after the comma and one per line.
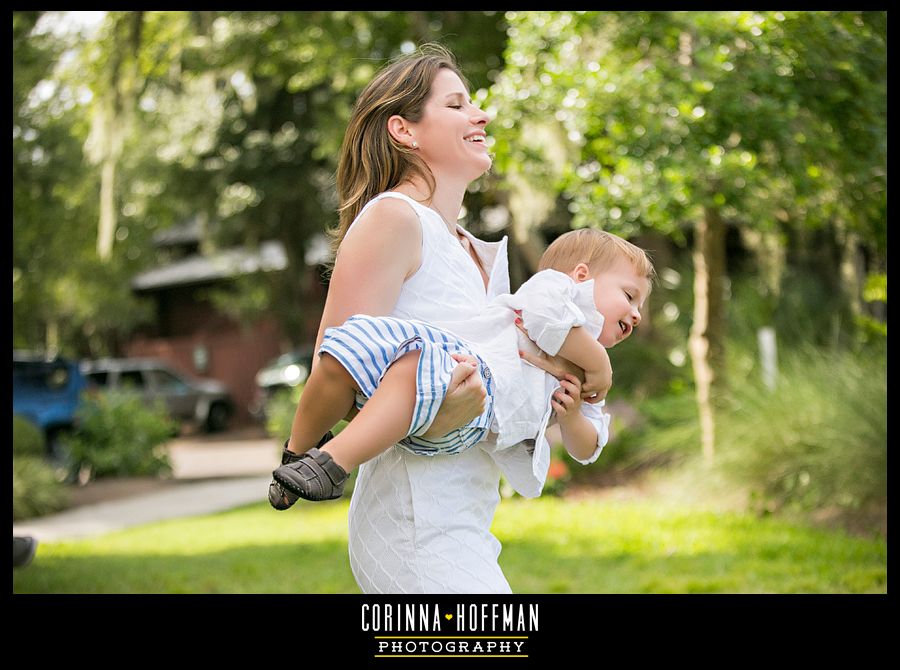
(852,268)
(124,73)
(529,207)
(107,226)
(707,338)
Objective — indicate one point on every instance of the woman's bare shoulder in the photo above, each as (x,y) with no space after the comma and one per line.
(387,232)
(395,213)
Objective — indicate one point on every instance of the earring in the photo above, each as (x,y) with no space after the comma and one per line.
(415,145)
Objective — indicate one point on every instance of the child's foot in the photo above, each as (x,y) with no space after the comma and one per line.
(279,497)
(313,476)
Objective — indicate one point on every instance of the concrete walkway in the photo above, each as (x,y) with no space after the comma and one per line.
(210,474)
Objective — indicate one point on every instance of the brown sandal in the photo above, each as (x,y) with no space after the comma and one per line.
(279,497)
(313,476)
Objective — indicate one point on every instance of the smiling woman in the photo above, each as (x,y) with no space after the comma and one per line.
(406,162)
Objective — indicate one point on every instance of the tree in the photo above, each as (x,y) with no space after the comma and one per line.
(684,121)
(115,89)
(234,117)
(64,299)
(247,130)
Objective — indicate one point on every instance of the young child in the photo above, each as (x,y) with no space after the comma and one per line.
(586,296)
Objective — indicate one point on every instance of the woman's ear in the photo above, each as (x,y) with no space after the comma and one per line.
(399,129)
(581,273)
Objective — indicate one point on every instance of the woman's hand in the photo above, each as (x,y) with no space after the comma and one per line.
(593,388)
(464,400)
(557,366)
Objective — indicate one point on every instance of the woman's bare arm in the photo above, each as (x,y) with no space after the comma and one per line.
(383,251)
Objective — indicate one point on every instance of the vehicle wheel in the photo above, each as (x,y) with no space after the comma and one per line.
(217,419)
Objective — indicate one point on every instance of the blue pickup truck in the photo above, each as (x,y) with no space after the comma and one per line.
(47,391)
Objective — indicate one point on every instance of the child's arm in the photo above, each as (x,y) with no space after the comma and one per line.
(579,435)
(552,311)
(588,354)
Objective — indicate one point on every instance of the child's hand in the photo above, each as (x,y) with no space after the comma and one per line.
(566,401)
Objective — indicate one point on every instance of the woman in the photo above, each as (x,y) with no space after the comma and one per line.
(413,145)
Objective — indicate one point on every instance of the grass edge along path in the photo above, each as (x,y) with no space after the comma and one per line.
(550,545)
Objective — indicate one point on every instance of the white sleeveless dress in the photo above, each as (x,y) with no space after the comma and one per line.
(422,524)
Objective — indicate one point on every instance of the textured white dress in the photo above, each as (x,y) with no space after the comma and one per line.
(417,524)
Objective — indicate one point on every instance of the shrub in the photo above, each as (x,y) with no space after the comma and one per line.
(280,412)
(665,430)
(118,435)
(37,489)
(28,439)
(818,440)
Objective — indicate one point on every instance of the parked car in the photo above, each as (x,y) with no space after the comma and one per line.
(47,392)
(285,372)
(205,401)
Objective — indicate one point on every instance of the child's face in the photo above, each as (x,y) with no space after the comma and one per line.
(619,294)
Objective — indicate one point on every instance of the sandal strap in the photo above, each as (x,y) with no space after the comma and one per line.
(288,457)
(326,463)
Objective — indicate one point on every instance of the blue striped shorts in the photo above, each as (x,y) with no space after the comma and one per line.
(367,346)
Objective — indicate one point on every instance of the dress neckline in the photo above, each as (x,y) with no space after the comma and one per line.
(470,252)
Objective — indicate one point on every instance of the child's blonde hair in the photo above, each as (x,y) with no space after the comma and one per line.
(598,250)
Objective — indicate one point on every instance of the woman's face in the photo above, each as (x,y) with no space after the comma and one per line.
(450,135)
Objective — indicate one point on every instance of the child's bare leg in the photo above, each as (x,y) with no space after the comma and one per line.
(320,474)
(383,420)
(326,399)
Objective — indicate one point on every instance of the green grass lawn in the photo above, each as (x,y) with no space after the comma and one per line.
(550,545)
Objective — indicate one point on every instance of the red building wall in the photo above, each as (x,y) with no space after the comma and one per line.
(235,353)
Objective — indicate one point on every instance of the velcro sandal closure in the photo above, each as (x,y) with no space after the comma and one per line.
(314,476)
(279,497)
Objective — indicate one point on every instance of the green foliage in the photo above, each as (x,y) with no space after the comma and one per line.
(748,113)
(37,486)
(118,435)
(658,117)
(280,410)
(818,441)
(58,282)
(28,439)
(667,431)
(37,489)
(235,116)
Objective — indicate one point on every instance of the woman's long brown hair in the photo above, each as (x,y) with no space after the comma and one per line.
(371,161)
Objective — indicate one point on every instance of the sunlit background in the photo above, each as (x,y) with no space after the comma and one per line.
(173,180)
